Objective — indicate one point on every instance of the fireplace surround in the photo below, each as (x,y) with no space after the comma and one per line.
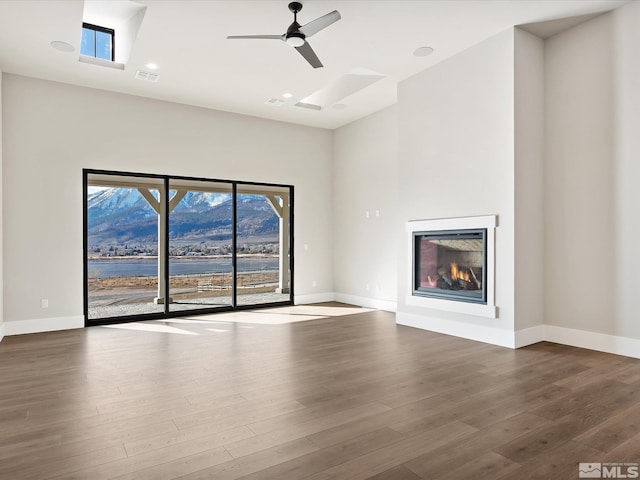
(452,264)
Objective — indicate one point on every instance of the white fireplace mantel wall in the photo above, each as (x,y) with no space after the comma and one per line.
(487,222)
(456,151)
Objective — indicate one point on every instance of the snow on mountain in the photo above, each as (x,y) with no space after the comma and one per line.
(120,215)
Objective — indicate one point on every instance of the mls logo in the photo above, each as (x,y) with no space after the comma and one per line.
(590,470)
(608,470)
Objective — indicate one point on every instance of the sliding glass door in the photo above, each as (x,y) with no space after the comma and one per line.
(122,246)
(262,227)
(200,245)
(159,246)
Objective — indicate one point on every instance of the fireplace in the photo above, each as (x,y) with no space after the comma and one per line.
(451,264)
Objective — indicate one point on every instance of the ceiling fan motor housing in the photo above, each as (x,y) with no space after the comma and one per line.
(295,7)
(294,36)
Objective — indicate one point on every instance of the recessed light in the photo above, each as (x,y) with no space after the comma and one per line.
(62,46)
(340,106)
(287,95)
(152,66)
(423,51)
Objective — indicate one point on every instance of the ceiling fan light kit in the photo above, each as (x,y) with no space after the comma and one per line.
(296,34)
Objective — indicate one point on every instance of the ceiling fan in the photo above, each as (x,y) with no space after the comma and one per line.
(296,35)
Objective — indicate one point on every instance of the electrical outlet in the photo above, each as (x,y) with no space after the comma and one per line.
(314,284)
(44,303)
(306,246)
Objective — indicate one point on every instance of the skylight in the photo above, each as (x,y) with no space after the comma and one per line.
(101,19)
(97,42)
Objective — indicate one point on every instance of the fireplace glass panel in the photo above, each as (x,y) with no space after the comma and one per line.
(451,265)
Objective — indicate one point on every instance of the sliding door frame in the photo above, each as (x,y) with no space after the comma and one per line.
(166,179)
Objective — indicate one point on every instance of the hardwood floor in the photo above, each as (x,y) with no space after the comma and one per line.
(345,395)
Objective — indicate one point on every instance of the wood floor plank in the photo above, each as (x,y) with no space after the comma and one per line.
(302,467)
(628,451)
(396,473)
(612,432)
(251,411)
(294,430)
(440,462)
(488,466)
(148,460)
(544,440)
(263,460)
(416,410)
(399,453)
(207,430)
(330,407)
(560,463)
(180,467)
(64,466)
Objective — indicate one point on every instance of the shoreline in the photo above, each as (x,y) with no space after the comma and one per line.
(180,257)
(192,282)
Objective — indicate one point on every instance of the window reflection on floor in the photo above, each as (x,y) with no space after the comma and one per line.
(221,322)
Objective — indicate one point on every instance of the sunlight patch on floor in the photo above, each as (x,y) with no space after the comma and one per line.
(283,315)
(262,317)
(322,310)
(150,327)
(225,322)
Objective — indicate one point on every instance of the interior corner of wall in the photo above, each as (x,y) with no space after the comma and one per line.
(367,302)
(478,333)
(313,298)
(529,336)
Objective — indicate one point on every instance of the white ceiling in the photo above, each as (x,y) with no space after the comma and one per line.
(199,66)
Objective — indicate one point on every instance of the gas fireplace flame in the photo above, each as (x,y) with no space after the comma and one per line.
(457,274)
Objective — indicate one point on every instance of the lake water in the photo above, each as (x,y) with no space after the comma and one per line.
(143,267)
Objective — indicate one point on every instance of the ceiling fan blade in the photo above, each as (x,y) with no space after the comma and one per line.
(320,23)
(309,55)
(260,37)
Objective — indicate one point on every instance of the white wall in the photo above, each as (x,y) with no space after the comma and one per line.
(365,193)
(592,172)
(529,180)
(52,131)
(586,257)
(626,72)
(581,269)
(456,159)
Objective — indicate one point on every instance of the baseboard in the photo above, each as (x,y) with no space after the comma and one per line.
(1,331)
(479,333)
(20,327)
(314,298)
(529,336)
(378,304)
(629,347)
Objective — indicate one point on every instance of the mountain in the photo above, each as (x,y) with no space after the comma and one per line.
(117,216)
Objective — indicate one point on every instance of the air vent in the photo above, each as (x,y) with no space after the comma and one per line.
(275,102)
(308,105)
(147,77)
